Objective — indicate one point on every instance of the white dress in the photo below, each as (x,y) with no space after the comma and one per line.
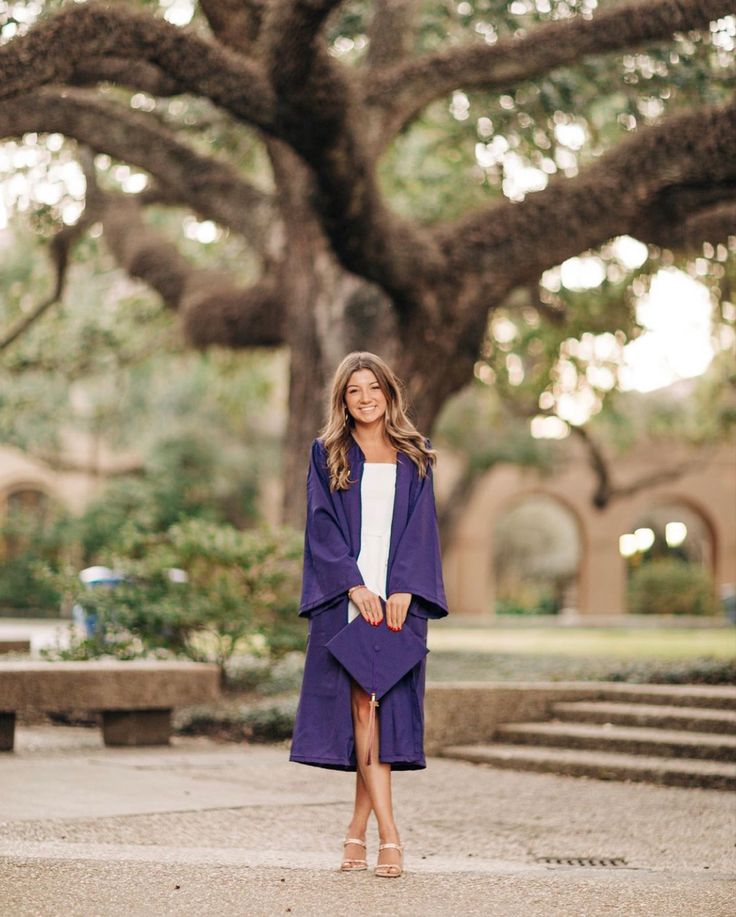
(377,506)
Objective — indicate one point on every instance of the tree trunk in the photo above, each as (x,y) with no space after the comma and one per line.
(329,313)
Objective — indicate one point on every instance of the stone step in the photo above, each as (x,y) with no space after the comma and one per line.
(602,765)
(722,697)
(663,716)
(629,739)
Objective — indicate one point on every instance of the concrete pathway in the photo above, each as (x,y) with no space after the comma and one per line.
(205,829)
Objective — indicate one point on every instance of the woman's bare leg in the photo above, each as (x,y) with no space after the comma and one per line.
(362,808)
(359,822)
(376,776)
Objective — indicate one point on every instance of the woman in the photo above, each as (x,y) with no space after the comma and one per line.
(371,540)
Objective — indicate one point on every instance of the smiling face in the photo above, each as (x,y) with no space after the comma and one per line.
(364,399)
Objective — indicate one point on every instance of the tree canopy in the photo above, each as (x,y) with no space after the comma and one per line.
(398,173)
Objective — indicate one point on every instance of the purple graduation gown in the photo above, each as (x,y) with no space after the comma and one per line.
(323,730)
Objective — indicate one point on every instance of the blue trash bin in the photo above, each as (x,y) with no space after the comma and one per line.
(94,578)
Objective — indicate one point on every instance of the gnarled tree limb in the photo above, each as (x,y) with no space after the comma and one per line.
(212,309)
(236,23)
(212,188)
(402,91)
(512,243)
(317,116)
(390,33)
(138,74)
(52,51)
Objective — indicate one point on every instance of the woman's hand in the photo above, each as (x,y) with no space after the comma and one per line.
(368,604)
(397,606)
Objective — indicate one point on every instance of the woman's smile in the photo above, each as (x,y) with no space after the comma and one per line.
(364,384)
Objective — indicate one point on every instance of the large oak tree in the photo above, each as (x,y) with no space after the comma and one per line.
(339,267)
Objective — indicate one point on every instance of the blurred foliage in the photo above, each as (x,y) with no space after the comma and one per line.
(26,540)
(545,603)
(105,382)
(183,478)
(110,363)
(671,586)
(476,424)
(240,590)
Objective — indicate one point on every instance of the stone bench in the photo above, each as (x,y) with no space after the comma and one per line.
(134,698)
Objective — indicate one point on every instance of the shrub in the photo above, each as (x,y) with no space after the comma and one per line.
(26,541)
(241,588)
(671,586)
(544,604)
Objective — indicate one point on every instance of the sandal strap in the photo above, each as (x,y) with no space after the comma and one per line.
(392,846)
(351,860)
(353,840)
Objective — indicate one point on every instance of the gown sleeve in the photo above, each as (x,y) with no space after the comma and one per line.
(329,566)
(417,565)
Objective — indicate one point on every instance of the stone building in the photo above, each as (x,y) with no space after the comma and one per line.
(703,499)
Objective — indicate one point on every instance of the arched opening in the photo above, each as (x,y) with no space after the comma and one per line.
(27,512)
(670,560)
(27,536)
(536,557)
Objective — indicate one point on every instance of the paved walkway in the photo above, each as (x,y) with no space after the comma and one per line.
(207,829)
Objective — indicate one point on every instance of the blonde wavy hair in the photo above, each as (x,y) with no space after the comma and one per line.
(400,431)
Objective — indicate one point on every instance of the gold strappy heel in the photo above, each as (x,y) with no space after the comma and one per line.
(350,864)
(390,870)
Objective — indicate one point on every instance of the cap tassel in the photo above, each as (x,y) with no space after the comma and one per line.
(371,726)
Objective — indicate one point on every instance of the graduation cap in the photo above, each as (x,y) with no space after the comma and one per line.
(376,658)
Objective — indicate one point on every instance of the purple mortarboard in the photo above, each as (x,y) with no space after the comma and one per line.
(376,657)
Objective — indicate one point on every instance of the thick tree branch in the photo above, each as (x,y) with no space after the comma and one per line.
(403,91)
(390,33)
(686,217)
(513,243)
(510,244)
(317,116)
(213,189)
(236,23)
(212,310)
(137,74)
(52,51)
(712,224)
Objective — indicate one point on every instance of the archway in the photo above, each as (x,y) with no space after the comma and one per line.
(670,555)
(27,535)
(537,552)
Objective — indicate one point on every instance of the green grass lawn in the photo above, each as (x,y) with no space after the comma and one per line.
(615,642)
